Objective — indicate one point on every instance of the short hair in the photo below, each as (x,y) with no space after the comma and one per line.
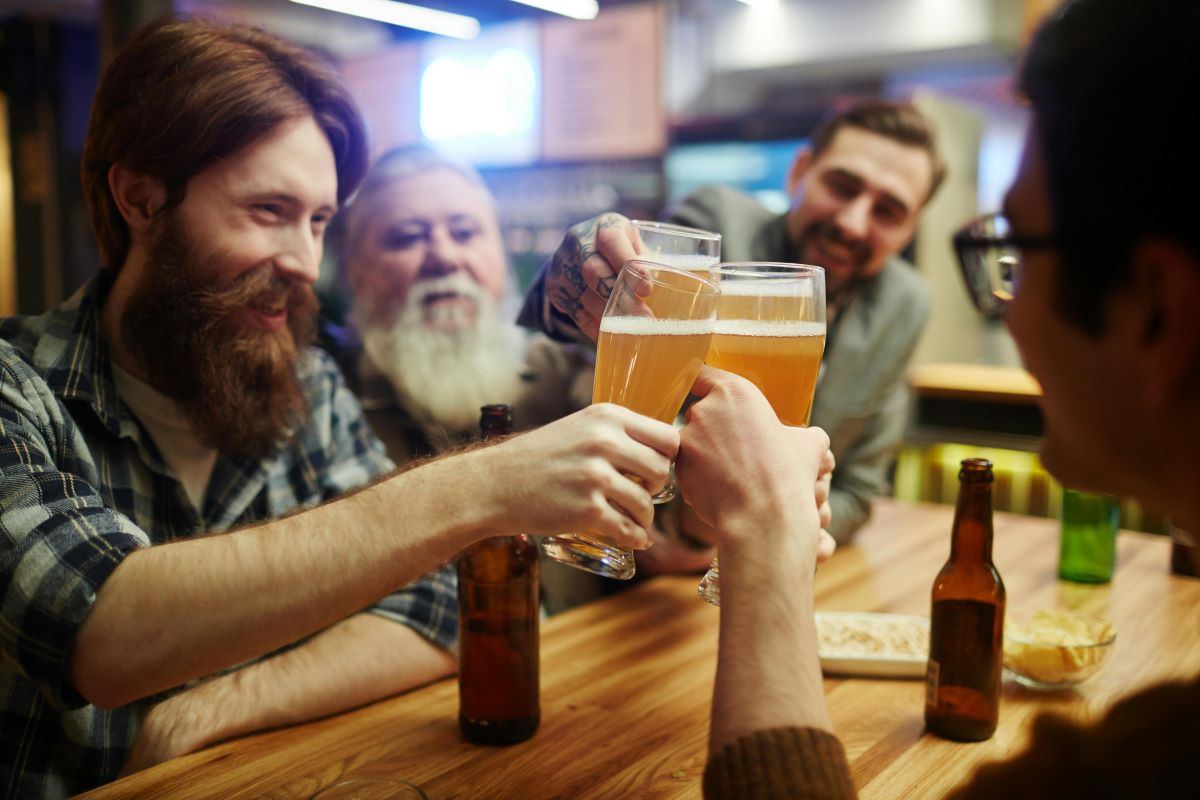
(397,164)
(1117,123)
(901,122)
(184,94)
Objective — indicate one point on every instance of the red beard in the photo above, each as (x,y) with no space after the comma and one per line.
(237,384)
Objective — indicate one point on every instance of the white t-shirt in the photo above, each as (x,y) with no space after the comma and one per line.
(190,461)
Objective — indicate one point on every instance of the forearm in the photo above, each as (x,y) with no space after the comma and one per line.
(357,661)
(180,611)
(768,673)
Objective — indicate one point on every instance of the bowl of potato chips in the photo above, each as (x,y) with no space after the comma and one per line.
(1048,648)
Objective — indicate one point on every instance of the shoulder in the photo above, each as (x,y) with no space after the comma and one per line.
(557,380)
(22,382)
(712,203)
(544,355)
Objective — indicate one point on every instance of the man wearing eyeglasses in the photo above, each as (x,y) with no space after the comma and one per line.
(857,192)
(1095,266)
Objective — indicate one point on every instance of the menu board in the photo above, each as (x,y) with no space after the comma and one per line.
(601,82)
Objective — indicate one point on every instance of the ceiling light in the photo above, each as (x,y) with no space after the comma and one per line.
(403,14)
(579,9)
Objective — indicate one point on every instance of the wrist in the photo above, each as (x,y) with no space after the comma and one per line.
(470,496)
(183,722)
(769,541)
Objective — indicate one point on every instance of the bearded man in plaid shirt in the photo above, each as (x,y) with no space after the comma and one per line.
(200,536)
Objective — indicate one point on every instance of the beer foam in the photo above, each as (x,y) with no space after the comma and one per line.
(652,326)
(766,287)
(689,262)
(764,328)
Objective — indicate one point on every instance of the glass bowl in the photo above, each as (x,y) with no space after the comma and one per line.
(1048,648)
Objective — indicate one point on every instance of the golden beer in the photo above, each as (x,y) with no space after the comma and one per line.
(648,364)
(782,359)
(687,262)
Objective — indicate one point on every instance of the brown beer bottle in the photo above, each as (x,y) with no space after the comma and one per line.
(498,604)
(966,634)
(1183,553)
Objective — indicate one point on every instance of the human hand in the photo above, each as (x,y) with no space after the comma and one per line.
(582,272)
(827,544)
(747,474)
(590,472)
(669,556)
(170,729)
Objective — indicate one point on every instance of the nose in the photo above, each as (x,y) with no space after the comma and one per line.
(442,254)
(300,256)
(854,218)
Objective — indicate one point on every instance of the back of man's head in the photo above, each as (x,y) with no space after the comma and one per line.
(1113,88)
(183,94)
(901,122)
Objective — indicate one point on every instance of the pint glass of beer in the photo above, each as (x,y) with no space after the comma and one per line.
(681,247)
(771,331)
(654,335)
(678,246)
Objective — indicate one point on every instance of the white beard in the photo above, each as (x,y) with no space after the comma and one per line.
(444,377)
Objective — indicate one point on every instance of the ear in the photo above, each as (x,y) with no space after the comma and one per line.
(139,197)
(800,165)
(1167,281)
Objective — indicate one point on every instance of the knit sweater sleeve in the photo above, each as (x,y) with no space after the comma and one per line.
(780,762)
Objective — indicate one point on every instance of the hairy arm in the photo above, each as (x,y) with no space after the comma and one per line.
(756,489)
(179,611)
(355,662)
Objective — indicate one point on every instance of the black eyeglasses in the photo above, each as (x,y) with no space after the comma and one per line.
(990,258)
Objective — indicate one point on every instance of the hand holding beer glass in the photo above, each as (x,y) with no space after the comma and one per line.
(654,335)
(770,330)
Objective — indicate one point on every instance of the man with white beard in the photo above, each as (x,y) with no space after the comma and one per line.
(424,258)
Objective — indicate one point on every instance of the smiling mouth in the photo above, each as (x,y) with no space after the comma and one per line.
(440,297)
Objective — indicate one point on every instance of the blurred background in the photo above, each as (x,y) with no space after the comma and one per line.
(573,107)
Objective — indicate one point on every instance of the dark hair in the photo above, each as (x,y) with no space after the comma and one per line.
(1117,116)
(183,94)
(901,122)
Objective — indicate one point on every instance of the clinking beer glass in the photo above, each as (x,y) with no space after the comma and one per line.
(654,335)
(770,330)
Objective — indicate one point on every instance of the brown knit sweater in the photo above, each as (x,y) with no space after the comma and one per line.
(1147,746)
(780,762)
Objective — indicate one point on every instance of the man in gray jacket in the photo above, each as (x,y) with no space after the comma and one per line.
(857,193)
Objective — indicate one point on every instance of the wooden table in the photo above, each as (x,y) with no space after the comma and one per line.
(626,686)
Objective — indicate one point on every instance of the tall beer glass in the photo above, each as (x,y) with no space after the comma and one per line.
(679,246)
(771,331)
(654,335)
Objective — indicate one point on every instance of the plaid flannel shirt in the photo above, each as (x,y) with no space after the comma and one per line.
(82,485)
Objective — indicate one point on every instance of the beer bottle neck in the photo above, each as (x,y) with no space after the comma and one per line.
(972,539)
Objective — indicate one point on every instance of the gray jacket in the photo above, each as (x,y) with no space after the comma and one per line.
(862,395)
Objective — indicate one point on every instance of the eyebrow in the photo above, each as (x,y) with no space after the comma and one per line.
(291,200)
(888,197)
